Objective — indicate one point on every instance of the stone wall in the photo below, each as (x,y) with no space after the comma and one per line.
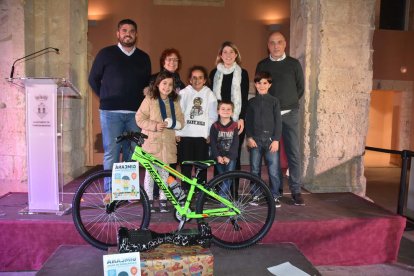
(332,39)
(28,26)
(12,101)
(63,24)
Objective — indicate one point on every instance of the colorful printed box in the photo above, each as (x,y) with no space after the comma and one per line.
(168,259)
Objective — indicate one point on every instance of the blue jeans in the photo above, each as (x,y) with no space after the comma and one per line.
(113,124)
(225,186)
(272,162)
(290,133)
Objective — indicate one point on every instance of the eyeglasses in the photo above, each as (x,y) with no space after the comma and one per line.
(175,60)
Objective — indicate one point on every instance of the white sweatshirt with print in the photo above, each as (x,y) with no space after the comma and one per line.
(200,111)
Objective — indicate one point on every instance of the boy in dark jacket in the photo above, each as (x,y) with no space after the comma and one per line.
(263,131)
(224,141)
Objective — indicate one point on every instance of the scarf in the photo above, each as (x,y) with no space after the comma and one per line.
(235,85)
(164,111)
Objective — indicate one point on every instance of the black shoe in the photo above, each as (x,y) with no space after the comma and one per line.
(298,200)
(152,208)
(277,203)
(255,201)
(163,206)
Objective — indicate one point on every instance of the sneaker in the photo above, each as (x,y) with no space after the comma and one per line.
(255,201)
(152,208)
(277,203)
(298,200)
(163,206)
(107,199)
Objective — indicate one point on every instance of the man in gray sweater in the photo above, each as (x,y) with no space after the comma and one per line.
(288,87)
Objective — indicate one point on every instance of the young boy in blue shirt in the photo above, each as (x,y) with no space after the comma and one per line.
(263,131)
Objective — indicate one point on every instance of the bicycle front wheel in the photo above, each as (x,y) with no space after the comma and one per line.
(256,216)
(97,222)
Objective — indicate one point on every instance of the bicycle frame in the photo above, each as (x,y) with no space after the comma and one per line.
(148,162)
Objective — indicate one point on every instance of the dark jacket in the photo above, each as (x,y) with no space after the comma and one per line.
(263,118)
(224,140)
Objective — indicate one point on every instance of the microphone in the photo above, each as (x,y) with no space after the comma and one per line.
(32,54)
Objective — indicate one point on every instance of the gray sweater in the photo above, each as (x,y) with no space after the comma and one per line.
(287,80)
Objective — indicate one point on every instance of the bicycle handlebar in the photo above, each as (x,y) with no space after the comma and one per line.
(136,137)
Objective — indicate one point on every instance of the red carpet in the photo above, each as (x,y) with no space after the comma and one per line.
(332,229)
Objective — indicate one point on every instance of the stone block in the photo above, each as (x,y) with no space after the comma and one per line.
(73,141)
(348,177)
(13,143)
(336,149)
(14,120)
(336,11)
(337,57)
(344,12)
(338,35)
(12,185)
(71,118)
(7,167)
(365,14)
(75,160)
(342,57)
(20,168)
(345,80)
(13,174)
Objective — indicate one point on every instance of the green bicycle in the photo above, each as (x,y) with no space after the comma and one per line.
(234,222)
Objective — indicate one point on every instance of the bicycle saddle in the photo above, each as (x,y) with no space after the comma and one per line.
(202,165)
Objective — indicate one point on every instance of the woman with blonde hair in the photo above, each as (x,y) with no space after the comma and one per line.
(230,82)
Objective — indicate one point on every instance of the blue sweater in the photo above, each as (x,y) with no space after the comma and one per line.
(118,79)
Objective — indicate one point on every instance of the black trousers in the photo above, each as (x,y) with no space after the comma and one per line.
(192,149)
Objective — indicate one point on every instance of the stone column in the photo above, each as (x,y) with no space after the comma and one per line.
(63,24)
(13,175)
(29,26)
(332,39)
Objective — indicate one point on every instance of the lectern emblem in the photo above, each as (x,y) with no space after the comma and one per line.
(41,108)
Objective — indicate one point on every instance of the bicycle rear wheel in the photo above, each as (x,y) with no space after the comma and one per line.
(98,223)
(254,221)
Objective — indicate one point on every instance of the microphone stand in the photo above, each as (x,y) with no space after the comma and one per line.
(32,54)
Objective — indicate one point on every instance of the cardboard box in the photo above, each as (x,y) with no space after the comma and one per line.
(168,259)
